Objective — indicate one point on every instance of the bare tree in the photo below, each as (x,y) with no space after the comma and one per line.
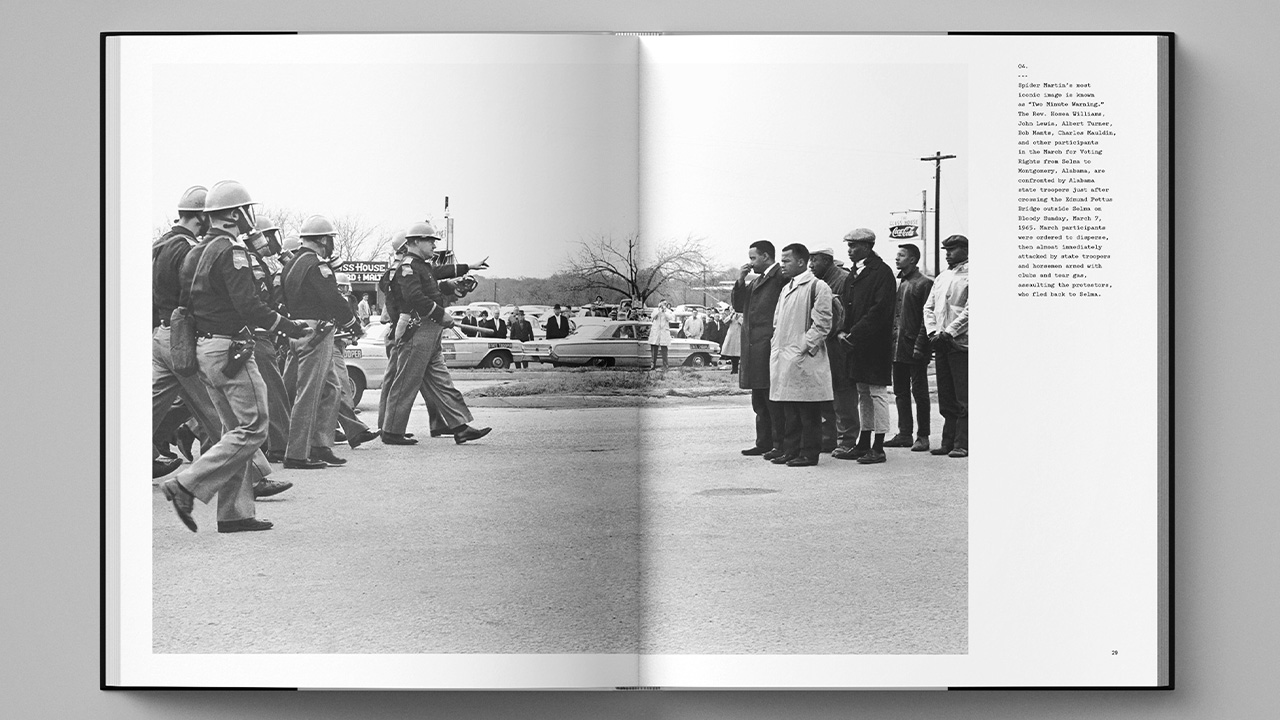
(629,269)
(356,239)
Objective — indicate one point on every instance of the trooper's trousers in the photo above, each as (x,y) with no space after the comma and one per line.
(231,467)
(344,411)
(166,385)
(264,352)
(315,406)
(421,369)
(437,422)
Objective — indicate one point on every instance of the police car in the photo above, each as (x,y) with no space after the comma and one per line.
(619,343)
(367,360)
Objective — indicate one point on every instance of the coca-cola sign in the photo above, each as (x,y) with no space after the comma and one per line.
(902,226)
(903,232)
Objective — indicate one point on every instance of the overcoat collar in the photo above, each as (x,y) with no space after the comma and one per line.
(872,261)
(800,281)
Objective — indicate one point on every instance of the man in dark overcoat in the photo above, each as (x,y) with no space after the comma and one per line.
(840,417)
(869,297)
(757,300)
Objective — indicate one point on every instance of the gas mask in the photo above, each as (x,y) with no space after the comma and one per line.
(246,219)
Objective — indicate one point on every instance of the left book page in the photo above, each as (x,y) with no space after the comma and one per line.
(508,561)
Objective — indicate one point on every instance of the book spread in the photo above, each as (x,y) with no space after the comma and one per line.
(627,360)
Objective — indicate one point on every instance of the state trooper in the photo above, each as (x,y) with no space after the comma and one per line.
(284,351)
(398,321)
(356,432)
(420,361)
(168,254)
(265,244)
(311,294)
(391,311)
(225,305)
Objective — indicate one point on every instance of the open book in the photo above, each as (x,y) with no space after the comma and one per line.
(610,532)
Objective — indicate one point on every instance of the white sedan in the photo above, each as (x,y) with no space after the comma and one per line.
(620,343)
(367,360)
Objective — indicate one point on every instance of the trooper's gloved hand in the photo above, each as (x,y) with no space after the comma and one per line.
(356,329)
(293,328)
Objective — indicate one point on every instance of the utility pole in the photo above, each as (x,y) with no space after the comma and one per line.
(924,232)
(937,159)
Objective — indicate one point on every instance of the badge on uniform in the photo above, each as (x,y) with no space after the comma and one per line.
(239,258)
(406,270)
(325,271)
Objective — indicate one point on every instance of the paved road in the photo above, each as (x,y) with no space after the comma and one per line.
(529,541)
(749,557)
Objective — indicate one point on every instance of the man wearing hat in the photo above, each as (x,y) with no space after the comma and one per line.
(911,350)
(868,300)
(946,319)
(557,325)
(840,417)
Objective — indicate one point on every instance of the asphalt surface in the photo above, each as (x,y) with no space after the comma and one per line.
(530,541)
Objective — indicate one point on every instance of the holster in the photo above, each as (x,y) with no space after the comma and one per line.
(238,353)
(323,328)
(182,342)
(406,326)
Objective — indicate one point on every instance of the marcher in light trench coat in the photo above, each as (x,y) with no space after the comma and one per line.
(799,370)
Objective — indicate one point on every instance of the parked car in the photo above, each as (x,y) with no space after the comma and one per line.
(480,352)
(618,343)
(367,360)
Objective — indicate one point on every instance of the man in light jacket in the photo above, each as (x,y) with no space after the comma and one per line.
(946,318)
(799,372)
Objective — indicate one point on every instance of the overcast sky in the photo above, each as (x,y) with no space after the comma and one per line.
(539,142)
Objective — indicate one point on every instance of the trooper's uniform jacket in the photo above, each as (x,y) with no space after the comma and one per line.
(224,297)
(416,283)
(268,283)
(311,290)
(166,267)
(390,297)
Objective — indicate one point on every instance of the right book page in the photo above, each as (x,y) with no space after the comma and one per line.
(1037,557)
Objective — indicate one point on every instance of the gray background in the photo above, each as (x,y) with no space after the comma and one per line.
(1226,534)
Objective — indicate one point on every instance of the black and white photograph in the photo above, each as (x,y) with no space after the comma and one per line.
(483,365)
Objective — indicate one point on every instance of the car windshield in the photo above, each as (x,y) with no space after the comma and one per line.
(632,331)
(588,332)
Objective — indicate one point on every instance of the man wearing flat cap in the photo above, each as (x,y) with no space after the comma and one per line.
(840,417)
(946,319)
(868,299)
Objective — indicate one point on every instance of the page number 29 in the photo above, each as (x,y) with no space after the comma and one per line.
(1115,652)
